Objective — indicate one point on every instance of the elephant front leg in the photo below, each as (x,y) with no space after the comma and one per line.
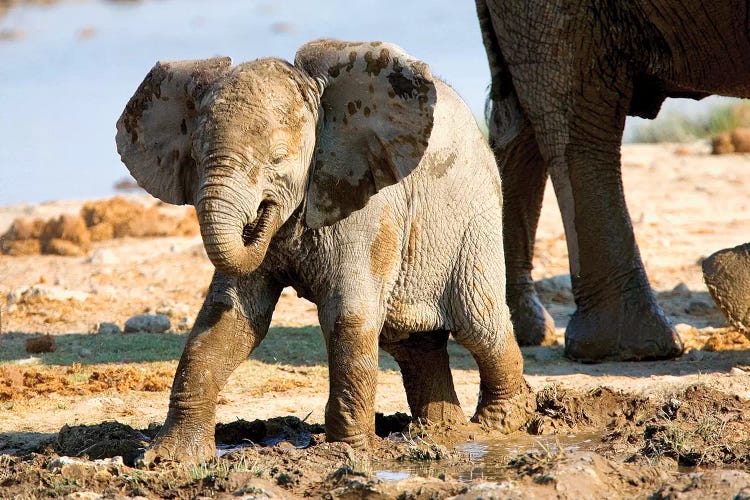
(617,316)
(220,340)
(423,359)
(352,343)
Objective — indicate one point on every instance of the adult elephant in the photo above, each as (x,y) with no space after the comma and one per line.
(564,77)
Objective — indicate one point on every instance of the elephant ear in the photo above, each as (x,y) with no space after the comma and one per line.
(155,131)
(376,116)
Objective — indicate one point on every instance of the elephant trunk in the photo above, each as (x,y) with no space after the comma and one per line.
(236,224)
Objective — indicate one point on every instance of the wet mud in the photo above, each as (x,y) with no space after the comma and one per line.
(577,445)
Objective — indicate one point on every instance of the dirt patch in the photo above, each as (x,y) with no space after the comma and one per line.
(19,383)
(72,234)
(617,429)
(288,457)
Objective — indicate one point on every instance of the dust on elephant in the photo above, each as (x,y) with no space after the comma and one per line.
(564,77)
(344,175)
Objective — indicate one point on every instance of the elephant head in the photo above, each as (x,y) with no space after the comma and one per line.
(250,144)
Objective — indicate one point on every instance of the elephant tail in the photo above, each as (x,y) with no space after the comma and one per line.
(502,110)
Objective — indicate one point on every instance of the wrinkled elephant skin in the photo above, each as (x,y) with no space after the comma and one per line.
(564,77)
(363,182)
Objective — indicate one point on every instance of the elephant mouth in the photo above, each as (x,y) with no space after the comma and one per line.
(261,228)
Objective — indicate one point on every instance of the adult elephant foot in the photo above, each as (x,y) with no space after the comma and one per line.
(632,329)
(506,414)
(531,321)
(171,447)
(727,276)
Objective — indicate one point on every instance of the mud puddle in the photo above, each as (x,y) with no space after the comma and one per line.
(488,459)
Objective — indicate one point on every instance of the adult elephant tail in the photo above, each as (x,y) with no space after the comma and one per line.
(502,110)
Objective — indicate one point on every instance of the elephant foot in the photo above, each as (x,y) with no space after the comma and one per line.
(531,321)
(630,329)
(727,276)
(176,448)
(507,414)
(440,411)
(356,441)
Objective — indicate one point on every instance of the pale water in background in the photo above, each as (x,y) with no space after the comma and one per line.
(63,85)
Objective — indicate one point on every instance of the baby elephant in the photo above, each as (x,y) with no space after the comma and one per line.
(359,180)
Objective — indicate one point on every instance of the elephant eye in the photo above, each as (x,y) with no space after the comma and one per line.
(278,155)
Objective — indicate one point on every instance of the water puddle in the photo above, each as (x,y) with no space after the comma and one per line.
(487,459)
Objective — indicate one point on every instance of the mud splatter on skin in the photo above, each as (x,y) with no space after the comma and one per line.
(414,235)
(384,248)
(376,64)
(440,163)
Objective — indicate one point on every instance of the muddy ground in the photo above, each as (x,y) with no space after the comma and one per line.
(73,420)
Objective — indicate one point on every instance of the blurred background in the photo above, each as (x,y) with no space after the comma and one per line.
(67,69)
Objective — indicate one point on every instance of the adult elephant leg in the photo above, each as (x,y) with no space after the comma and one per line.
(232,322)
(423,359)
(617,316)
(524,176)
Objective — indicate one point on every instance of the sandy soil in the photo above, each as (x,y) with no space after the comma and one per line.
(665,428)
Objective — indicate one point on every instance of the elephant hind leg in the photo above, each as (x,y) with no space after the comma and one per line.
(423,359)
(524,176)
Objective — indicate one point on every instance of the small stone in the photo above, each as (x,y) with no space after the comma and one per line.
(150,323)
(84,353)
(108,329)
(695,355)
(738,372)
(682,290)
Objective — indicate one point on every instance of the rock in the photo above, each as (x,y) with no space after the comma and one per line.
(108,329)
(150,323)
(695,355)
(682,290)
(738,372)
(558,283)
